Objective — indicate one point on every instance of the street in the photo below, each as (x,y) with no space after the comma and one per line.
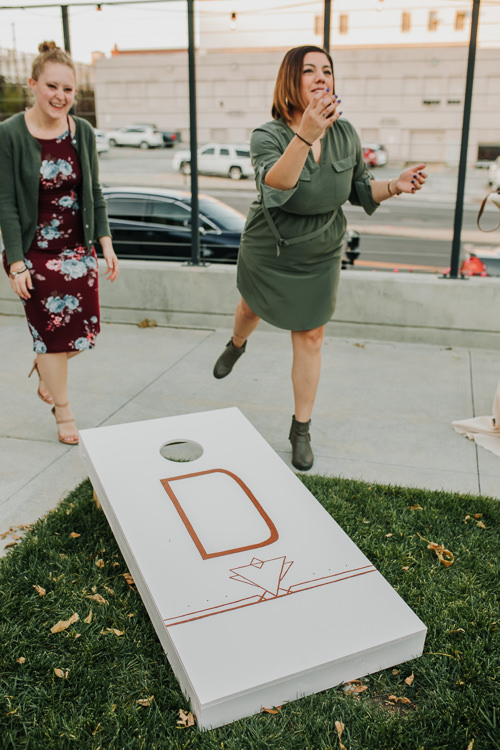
(409,232)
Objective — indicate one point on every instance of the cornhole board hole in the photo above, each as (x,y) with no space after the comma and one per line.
(257,595)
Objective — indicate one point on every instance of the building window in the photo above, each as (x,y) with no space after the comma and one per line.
(460,20)
(318,25)
(405,22)
(343,23)
(433,20)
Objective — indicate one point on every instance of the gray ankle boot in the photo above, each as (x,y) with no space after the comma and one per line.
(302,455)
(228,359)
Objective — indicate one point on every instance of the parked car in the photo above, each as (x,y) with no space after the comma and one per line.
(170,137)
(143,136)
(374,154)
(218,159)
(494,174)
(155,224)
(101,140)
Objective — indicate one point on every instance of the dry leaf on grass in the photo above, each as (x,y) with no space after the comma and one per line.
(186,719)
(444,555)
(97,598)
(273,710)
(60,673)
(470,745)
(64,624)
(39,590)
(409,680)
(21,660)
(416,507)
(88,619)
(340,728)
(354,687)
(74,535)
(145,702)
(113,630)
(99,563)
(402,699)
(110,591)
(388,535)
(129,579)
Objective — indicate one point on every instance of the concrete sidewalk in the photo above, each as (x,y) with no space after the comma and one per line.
(383,410)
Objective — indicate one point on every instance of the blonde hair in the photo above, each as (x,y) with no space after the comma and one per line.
(50,52)
(287,91)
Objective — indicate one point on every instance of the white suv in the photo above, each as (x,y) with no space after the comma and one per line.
(144,136)
(218,159)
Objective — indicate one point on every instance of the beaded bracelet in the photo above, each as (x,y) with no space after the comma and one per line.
(15,274)
(303,139)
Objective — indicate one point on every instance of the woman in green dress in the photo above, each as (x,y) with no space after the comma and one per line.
(307,162)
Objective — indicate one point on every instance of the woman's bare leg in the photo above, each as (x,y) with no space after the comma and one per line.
(306,369)
(245,322)
(54,371)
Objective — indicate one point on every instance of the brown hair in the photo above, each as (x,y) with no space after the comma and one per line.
(287,93)
(50,52)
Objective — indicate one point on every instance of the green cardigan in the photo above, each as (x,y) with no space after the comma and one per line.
(20,160)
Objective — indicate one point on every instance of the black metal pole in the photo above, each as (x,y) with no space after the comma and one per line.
(327,21)
(459,205)
(65,23)
(193,141)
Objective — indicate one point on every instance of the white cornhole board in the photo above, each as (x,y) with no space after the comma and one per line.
(257,595)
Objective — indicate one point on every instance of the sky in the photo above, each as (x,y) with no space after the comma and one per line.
(157,25)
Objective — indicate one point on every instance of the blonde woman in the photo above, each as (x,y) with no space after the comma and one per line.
(51,212)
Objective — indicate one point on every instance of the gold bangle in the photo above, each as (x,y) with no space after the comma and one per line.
(391,194)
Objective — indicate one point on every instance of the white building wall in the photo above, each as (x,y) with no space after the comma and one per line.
(408,98)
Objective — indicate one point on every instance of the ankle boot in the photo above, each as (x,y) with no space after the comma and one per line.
(228,359)
(302,455)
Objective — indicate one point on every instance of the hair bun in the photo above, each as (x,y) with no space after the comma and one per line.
(47,46)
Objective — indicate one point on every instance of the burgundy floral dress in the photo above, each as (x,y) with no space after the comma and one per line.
(63,312)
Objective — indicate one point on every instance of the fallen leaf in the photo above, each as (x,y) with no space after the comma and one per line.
(97,598)
(88,619)
(21,660)
(10,544)
(99,563)
(271,710)
(146,323)
(395,671)
(74,535)
(409,680)
(110,591)
(64,624)
(15,536)
(129,579)
(186,720)
(406,567)
(146,701)
(458,630)
(402,699)
(39,590)
(61,674)
(470,745)
(388,535)
(444,555)
(112,630)
(340,728)
(476,516)
(481,525)
(416,507)
(354,687)
(131,615)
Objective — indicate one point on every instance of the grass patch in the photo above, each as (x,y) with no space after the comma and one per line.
(449,704)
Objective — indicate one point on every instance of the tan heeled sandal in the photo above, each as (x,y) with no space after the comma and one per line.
(46,399)
(68,440)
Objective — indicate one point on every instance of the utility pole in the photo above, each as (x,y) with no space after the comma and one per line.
(459,205)
(65,23)
(193,141)
(327,22)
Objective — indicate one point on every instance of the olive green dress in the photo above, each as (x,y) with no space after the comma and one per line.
(291,249)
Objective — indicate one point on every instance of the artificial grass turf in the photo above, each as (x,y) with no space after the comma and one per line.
(452,697)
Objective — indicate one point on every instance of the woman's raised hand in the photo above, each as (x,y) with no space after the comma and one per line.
(320,114)
(411,179)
